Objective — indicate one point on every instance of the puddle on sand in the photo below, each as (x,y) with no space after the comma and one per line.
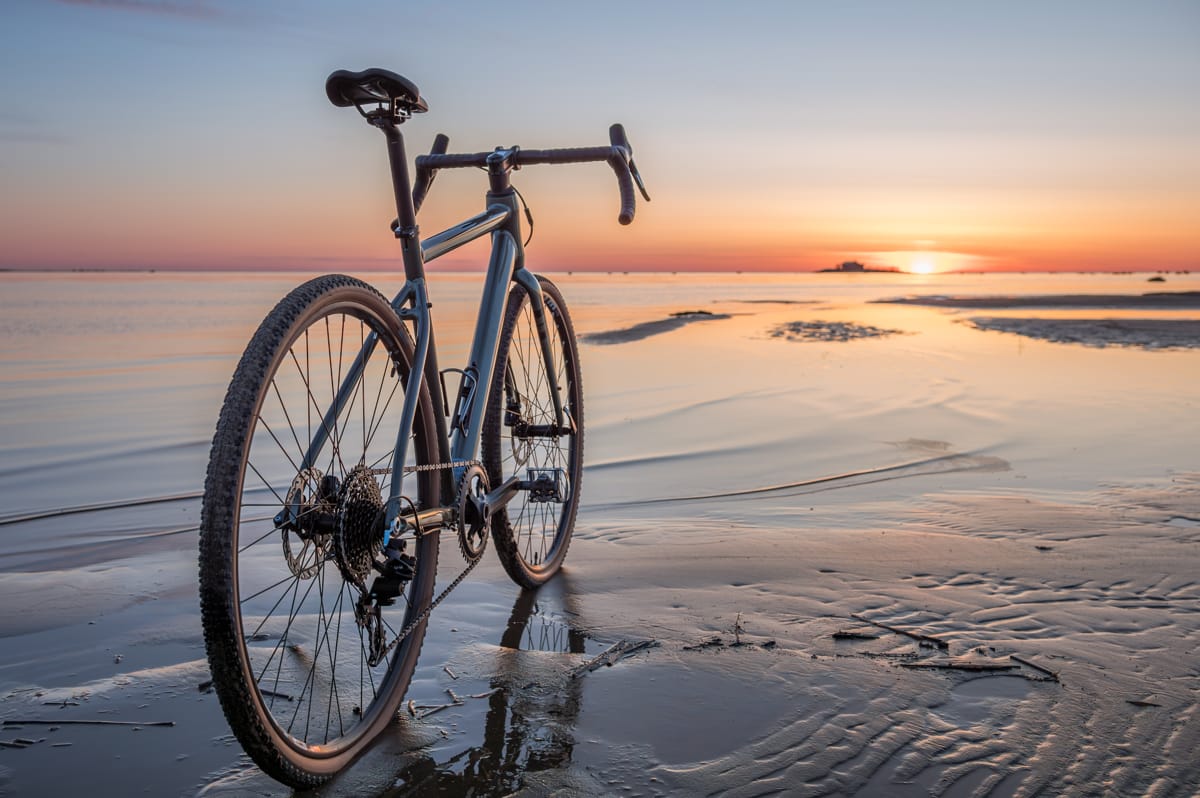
(547,632)
(984,700)
(536,626)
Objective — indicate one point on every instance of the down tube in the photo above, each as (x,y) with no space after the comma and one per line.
(464,438)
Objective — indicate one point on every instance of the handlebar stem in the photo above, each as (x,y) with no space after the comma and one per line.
(499,164)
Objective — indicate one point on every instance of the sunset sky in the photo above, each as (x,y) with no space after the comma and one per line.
(772,135)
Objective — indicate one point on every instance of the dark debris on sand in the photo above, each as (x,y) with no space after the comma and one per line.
(829,331)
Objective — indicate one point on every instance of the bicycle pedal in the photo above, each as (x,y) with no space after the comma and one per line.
(546,485)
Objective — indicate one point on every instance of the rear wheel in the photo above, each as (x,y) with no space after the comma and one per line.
(521,437)
(302,605)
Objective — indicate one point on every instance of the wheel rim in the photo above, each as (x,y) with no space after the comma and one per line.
(303,644)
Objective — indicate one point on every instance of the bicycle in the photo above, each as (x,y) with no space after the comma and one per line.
(320,532)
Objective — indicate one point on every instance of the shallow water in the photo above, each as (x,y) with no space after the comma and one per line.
(109,383)
(729,470)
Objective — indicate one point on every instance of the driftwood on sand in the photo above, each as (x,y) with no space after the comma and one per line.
(613,654)
(942,644)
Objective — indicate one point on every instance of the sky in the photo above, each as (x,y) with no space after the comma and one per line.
(780,136)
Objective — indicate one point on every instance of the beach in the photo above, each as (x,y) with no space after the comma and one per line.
(877,534)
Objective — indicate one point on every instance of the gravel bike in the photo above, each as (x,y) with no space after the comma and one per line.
(338,464)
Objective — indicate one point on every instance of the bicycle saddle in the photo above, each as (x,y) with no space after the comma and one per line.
(346,88)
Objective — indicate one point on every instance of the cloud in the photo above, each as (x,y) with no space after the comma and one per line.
(194,9)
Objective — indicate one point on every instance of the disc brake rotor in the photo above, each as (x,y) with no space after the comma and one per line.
(305,494)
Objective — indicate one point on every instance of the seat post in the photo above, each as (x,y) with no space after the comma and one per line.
(407,230)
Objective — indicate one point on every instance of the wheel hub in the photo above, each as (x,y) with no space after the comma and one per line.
(304,538)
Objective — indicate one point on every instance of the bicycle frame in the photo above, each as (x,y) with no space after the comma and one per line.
(461,441)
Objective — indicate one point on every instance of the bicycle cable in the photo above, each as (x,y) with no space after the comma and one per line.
(528,215)
(525,204)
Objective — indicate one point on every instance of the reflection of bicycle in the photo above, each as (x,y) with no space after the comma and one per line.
(319,529)
(524,730)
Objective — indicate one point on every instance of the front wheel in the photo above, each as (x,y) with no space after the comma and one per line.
(523,437)
(304,610)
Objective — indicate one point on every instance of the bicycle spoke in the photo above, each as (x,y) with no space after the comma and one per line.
(271,433)
(275,606)
(286,415)
(253,596)
(283,638)
(375,423)
(314,405)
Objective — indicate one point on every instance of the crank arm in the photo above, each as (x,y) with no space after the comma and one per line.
(428,520)
(501,495)
(438,517)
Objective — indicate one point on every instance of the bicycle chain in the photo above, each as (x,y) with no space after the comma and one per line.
(383,472)
(407,630)
(471,563)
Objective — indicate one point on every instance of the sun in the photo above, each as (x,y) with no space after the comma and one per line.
(921,267)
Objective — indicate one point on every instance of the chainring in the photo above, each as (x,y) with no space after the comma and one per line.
(473,518)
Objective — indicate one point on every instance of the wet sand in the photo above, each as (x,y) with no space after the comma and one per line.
(646,329)
(922,564)
(1099,332)
(1144,333)
(1153,300)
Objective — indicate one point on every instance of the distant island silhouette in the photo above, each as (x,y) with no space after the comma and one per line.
(857,268)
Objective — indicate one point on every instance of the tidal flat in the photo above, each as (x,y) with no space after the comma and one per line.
(957,559)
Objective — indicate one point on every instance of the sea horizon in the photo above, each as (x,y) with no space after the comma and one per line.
(399,267)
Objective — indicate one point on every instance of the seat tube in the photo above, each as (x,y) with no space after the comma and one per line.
(406,215)
(415,291)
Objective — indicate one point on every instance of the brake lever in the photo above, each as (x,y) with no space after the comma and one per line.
(637,178)
(618,138)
